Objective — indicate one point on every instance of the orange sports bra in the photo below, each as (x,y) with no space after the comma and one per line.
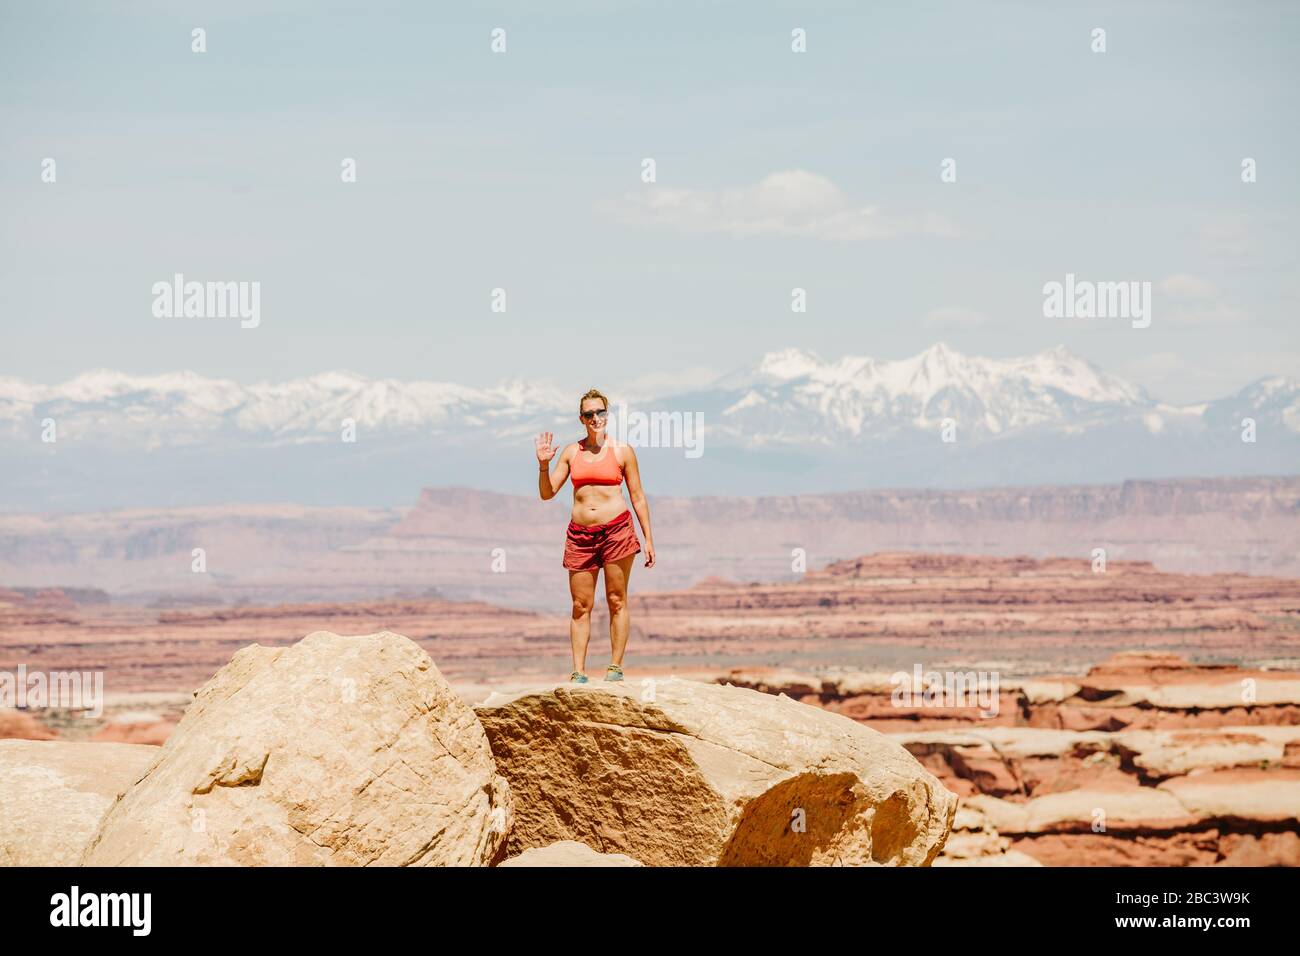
(605,470)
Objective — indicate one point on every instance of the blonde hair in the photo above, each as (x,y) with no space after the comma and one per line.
(593,393)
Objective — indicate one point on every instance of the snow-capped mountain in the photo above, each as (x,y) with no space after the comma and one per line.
(787,396)
(183,408)
(794,396)
(1268,400)
(789,423)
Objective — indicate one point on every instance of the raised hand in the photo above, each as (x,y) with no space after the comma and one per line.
(545,447)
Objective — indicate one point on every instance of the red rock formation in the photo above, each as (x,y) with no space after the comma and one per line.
(1204,696)
(1146,760)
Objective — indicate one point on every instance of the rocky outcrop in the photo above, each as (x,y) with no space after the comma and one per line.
(675,772)
(1145,760)
(1135,690)
(1140,690)
(569,853)
(1149,798)
(1232,818)
(54,793)
(333,751)
(1157,755)
(975,841)
(1024,614)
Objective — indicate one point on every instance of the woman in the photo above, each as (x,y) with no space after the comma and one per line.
(600,532)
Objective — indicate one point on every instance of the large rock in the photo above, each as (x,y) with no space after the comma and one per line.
(702,774)
(53,794)
(335,751)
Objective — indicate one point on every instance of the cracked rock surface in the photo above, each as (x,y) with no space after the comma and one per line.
(676,772)
(337,750)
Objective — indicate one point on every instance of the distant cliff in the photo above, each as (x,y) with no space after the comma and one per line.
(506,549)
(1190,525)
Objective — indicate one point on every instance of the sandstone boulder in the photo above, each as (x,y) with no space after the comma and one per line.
(53,794)
(677,772)
(334,751)
(569,853)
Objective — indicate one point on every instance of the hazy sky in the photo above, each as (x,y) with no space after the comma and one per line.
(522,170)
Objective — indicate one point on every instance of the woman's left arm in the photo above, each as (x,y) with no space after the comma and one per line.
(632,472)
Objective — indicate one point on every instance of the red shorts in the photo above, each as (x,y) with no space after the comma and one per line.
(589,547)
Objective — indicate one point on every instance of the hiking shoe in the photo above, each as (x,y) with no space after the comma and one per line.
(577,677)
(613,673)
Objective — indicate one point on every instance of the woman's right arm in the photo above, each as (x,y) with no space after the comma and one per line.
(550,482)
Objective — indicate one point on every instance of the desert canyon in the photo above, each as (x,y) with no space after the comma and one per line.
(1142,717)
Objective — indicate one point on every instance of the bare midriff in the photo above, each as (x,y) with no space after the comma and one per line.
(597,504)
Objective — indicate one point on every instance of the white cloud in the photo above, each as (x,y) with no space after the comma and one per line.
(790,203)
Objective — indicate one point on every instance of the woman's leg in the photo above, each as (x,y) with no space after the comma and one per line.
(617,574)
(582,588)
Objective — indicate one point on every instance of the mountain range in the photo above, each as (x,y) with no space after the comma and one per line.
(791,422)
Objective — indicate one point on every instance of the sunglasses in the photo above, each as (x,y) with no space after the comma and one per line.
(601,413)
